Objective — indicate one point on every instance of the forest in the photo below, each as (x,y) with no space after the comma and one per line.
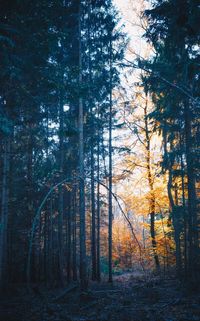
(99,160)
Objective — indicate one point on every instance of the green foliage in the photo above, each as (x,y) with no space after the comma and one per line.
(173,80)
(39,75)
(5,125)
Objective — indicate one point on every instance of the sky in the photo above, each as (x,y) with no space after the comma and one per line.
(130,12)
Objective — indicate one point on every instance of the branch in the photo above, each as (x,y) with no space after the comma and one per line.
(128,221)
(34,224)
(37,215)
(156,74)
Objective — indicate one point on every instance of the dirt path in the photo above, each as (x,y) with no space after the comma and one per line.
(129,299)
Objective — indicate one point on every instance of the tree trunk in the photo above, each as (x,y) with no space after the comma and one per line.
(192,209)
(152,200)
(4,213)
(92,160)
(83,260)
(69,243)
(110,214)
(175,218)
(74,263)
(50,252)
(98,210)
(61,195)
(185,218)
(93,247)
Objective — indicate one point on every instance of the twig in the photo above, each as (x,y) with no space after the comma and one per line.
(89,305)
(67,291)
(128,221)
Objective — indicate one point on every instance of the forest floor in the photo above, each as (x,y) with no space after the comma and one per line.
(130,298)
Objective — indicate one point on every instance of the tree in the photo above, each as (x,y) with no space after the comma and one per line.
(173,32)
(55,77)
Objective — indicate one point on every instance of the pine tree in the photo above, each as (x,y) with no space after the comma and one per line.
(173,33)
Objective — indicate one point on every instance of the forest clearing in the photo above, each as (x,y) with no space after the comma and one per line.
(99,160)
